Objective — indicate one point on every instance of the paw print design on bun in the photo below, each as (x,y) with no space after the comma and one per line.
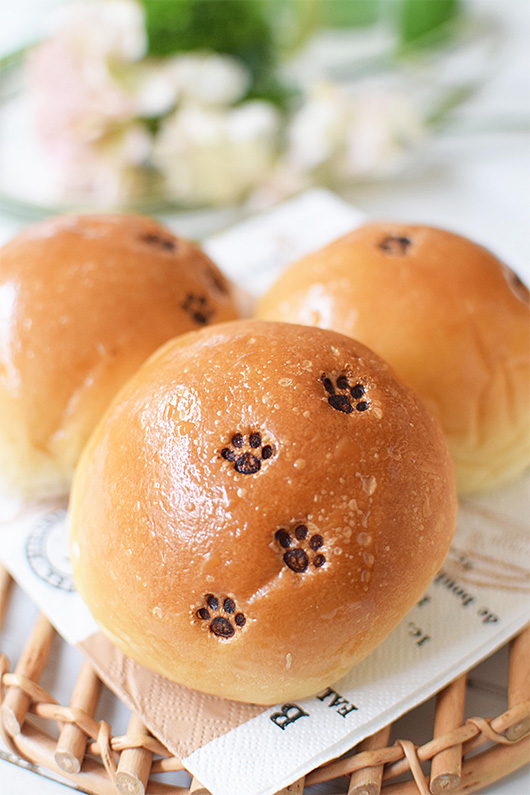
(344,397)
(247,462)
(297,558)
(221,616)
(271,582)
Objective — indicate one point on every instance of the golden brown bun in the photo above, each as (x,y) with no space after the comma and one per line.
(86,299)
(237,465)
(449,317)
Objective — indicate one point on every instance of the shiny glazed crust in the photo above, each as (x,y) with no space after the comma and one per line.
(259,507)
(87,299)
(447,315)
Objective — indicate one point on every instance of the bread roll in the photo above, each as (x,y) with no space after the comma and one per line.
(85,300)
(447,315)
(260,506)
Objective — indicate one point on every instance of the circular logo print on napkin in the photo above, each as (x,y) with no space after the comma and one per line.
(47,551)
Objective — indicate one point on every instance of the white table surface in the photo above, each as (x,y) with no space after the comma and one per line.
(477,184)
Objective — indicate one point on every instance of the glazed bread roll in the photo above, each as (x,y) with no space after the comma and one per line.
(85,300)
(447,315)
(260,506)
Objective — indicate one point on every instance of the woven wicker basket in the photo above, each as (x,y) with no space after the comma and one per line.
(462,756)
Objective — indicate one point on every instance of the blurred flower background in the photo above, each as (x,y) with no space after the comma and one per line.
(212,103)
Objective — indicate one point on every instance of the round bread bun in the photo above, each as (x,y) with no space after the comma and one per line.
(260,506)
(85,300)
(447,315)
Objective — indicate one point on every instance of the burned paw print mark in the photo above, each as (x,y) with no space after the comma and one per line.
(296,557)
(395,245)
(247,462)
(347,396)
(221,617)
(515,284)
(216,280)
(198,309)
(159,241)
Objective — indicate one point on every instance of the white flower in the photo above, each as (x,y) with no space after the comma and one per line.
(319,128)
(103,27)
(380,139)
(91,84)
(216,156)
(108,170)
(150,87)
(209,78)
(72,76)
(157,85)
(341,132)
(84,112)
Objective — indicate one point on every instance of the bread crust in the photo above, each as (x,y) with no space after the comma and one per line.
(87,299)
(448,316)
(320,549)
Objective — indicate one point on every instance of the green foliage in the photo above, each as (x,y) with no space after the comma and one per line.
(414,20)
(221,25)
(420,21)
(234,27)
(349,13)
(254,31)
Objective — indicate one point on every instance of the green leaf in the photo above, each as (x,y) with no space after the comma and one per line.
(418,20)
(294,21)
(228,26)
(448,102)
(239,28)
(349,13)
